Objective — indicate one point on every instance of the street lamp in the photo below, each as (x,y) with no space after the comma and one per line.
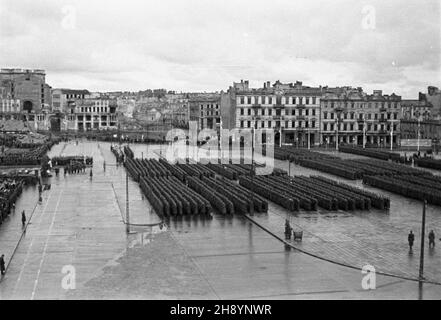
(391,135)
(364,131)
(252,162)
(419,133)
(339,111)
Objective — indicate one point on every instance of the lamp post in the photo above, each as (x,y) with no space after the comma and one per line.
(364,132)
(419,134)
(391,135)
(127,204)
(339,111)
(309,139)
(252,163)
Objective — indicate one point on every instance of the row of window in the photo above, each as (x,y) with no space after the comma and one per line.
(352,127)
(361,105)
(369,116)
(277,100)
(95,118)
(210,113)
(272,124)
(93,109)
(270,112)
(209,106)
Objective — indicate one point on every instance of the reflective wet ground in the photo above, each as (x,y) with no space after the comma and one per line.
(79,224)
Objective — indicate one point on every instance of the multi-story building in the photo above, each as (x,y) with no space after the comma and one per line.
(292,110)
(91,114)
(28,86)
(359,118)
(422,129)
(416,109)
(205,109)
(62,99)
(10,109)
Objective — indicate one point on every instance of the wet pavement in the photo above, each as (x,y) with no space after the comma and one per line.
(80,224)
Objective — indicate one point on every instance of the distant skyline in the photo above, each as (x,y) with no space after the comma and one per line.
(200,45)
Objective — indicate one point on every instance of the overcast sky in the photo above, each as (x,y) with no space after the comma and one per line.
(205,45)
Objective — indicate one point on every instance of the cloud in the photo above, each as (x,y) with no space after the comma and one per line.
(199,45)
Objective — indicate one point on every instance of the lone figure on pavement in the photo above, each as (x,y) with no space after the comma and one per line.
(2,264)
(288,230)
(411,239)
(23,218)
(431,239)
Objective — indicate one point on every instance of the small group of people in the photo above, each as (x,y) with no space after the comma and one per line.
(74,168)
(411,239)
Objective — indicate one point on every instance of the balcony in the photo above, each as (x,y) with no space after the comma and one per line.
(301,106)
(256,105)
(279,106)
(383,109)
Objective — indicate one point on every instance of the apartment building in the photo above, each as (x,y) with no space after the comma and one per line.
(359,118)
(292,110)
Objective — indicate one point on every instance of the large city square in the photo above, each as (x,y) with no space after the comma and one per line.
(202,151)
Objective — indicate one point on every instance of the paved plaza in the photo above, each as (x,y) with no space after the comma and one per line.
(80,223)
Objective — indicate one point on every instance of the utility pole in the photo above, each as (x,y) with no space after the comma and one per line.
(309,139)
(391,136)
(280,135)
(364,132)
(127,204)
(419,132)
(423,228)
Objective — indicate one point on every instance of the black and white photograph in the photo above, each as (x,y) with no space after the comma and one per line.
(218,155)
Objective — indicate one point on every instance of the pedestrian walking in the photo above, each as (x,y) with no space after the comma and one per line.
(411,239)
(91,174)
(104,166)
(23,218)
(288,230)
(431,239)
(2,264)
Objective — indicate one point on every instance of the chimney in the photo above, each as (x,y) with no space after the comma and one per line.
(264,85)
(268,84)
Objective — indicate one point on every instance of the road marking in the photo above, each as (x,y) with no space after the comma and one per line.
(46,243)
(30,246)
